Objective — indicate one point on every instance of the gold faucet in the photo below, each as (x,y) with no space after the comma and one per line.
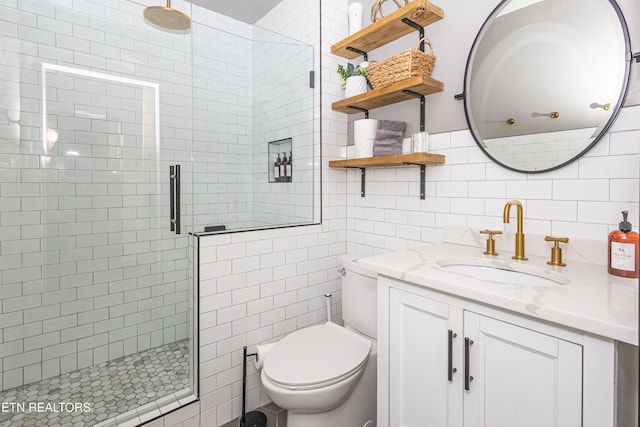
(519,234)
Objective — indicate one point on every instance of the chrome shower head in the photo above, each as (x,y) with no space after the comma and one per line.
(167,17)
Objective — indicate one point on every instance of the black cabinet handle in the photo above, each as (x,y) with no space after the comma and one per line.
(467,378)
(174,197)
(450,369)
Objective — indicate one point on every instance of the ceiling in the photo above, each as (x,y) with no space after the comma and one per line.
(248,11)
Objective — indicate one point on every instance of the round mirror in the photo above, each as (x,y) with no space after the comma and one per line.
(545,79)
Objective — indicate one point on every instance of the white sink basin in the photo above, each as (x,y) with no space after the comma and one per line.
(502,271)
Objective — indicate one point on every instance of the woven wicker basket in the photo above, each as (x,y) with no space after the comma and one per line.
(402,66)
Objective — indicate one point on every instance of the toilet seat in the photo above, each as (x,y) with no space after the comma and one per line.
(316,357)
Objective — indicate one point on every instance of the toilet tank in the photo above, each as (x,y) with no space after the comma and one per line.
(359,296)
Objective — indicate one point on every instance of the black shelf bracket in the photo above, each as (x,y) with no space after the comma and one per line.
(412,93)
(459,97)
(422,189)
(636,56)
(359,52)
(423,173)
(422,113)
(363,179)
(418,27)
(422,106)
(364,110)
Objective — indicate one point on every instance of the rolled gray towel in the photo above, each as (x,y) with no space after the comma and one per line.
(389,137)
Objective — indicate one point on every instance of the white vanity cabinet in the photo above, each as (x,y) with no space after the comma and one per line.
(519,377)
(419,354)
(450,362)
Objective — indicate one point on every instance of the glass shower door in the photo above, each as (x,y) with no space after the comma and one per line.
(101,306)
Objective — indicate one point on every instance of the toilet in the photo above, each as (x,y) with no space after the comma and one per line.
(325,375)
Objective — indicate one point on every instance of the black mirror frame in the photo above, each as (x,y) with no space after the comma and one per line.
(605,128)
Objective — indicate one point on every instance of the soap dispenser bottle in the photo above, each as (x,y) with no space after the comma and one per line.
(623,250)
(276,169)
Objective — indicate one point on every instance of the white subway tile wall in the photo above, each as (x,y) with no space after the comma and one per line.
(250,87)
(283,104)
(581,200)
(222,120)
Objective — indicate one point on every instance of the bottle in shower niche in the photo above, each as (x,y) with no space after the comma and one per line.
(281,173)
(289,167)
(285,167)
(276,169)
(623,250)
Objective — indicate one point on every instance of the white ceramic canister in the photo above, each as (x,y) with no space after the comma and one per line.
(355,17)
(364,133)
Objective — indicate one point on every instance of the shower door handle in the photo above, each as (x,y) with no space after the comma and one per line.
(177,183)
(174,197)
(172,206)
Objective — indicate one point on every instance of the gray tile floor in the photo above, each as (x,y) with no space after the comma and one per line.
(106,390)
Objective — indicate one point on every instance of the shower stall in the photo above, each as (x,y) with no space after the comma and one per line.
(119,142)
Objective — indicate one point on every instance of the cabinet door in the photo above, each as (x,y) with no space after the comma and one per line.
(420,393)
(520,377)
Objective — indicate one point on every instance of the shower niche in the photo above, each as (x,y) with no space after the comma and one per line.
(281,160)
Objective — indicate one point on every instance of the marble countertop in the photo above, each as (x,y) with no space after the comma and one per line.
(592,301)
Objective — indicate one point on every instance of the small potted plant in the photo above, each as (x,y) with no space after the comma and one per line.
(353,79)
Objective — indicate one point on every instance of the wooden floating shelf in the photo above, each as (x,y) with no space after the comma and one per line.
(389,95)
(395,160)
(415,159)
(389,28)
(414,16)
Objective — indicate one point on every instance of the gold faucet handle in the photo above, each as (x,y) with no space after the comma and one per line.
(491,244)
(556,250)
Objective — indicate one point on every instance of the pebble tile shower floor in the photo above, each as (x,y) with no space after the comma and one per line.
(110,388)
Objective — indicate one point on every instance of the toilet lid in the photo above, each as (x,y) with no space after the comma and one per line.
(316,356)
